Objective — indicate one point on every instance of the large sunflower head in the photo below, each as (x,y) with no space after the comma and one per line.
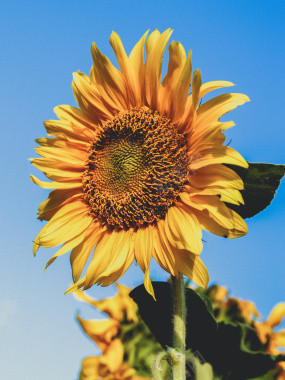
(138,169)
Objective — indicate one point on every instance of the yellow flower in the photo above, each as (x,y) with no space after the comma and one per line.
(265,330)
(218,293)
(101,332)
(138,169)
(220,296)
(247,308)
(109,366)
(267,335)
(117,307)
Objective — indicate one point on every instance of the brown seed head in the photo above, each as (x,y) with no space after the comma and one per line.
(136,168)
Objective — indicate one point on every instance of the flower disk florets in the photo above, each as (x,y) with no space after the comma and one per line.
(137,167)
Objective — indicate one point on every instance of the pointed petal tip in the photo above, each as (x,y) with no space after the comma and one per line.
(36,246)
(76,286)
(149,288)
(70,289)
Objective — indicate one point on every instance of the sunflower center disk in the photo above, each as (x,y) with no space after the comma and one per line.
(137,166)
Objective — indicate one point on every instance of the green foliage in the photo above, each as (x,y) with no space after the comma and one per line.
(140,346)
(260,184)
(231,346)
(157,315)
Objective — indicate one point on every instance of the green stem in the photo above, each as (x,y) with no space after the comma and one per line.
(179,333)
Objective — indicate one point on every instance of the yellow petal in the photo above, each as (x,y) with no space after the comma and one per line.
(90,100)
(151,40)
(215,176)
(137,63)
(217,209)
(231,196)
(279,338)
(163,253)
(176,62)
(73,156)
(56,199)
(215,216)
(204,89)
(198,138)
(220,293)
(144,245)
(216,155)
(72,219)
(126,69)
(213,85)
(115,307)
(56,185)
(89,368)
(67,246)
(100,331)
(65,141)
(192,266)
(74,130)
(111,258)
(77,117)
(58,170)
(79,284)
(213,109)
(109,80)
(226,195)
(153,66)
(183,229)
(81,253)
(181,89)
(248,309)
(196,85)
(124,258)
(113,356)
(277,314)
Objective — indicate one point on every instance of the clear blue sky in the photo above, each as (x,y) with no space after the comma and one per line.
(42,43)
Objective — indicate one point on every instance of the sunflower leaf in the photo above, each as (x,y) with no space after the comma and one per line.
(233,349)
(268,376)
(260,184)
(236,352)
(158,315)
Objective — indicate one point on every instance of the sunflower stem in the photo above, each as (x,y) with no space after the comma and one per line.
(179,332)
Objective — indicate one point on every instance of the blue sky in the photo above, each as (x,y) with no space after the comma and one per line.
(42,43)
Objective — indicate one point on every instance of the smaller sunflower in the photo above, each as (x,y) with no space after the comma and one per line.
(109,366)
(265,330)
(138,170)
(273,339)
(119,307)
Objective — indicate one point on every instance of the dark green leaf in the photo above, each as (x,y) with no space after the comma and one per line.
(233,349)
(158,315)
(236,352)
(268,376)
(260,184)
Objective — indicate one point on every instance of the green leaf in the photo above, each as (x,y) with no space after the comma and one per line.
(268,376)
(158,315)
(233,349)
(235,352)
(140,346)
(260,184)
(198,370)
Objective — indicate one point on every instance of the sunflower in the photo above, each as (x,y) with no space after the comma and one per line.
(109,366)
(273,339)
(119,307)
(265,330)
(138,169)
